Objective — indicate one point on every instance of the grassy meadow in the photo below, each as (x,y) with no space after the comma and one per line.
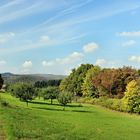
(42,121)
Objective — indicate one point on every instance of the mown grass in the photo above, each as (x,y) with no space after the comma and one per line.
(42,121)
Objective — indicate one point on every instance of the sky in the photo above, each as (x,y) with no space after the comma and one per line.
(55,36)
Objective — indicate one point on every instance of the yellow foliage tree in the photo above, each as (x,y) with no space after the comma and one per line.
(131,100)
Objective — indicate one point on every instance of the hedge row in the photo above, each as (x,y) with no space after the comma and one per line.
(114,104)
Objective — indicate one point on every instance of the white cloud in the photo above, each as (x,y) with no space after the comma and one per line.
(75,56)
(44,38)
(90,47)
(47,63)
(2,62)
(130,34)
(129,43)
(6,37)
(27,64)
(100,62)
(135,59)
(70,59)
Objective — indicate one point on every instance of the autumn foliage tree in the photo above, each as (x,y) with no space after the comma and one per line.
(112,82)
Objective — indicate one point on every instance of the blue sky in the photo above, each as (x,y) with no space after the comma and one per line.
(54,36)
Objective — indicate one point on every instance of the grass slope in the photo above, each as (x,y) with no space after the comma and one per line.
(41,121)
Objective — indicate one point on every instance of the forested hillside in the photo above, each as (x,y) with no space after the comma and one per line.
(29,78)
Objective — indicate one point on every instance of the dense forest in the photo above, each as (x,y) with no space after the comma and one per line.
(116,88)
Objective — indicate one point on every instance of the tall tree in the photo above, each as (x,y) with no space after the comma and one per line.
(73,83)
(88,87)
(112,82)
(1,81)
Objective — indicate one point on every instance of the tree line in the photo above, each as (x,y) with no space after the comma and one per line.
(43,83)
(115,88)
(90,80)
(96,83)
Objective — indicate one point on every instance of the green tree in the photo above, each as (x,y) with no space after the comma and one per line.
(73,83)
(138,71)
(1,81)
(50,93)
(44,84)
(131,99)
(25,92)
(64,98)
(88,87)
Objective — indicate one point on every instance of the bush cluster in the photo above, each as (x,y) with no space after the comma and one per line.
(114,104)
(3,102)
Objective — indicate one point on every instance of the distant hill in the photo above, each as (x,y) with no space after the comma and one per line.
(29,78)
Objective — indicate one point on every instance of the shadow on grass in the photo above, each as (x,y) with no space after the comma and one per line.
(45,103)
(54,109)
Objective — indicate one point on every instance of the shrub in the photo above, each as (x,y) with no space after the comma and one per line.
(3,102)
(115,104)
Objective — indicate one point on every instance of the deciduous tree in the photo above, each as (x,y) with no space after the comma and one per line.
(131,99)
(64,98)
(88,87)
(25,92)
(1,81)
(73,83)
(50,93)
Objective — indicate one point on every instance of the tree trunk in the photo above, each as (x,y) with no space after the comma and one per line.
(64,108)
(51,101)
(27,103)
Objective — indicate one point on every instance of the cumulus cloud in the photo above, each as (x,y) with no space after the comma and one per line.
(72,58)
(47,63)
(6,37)
(135,59)
(100,62)
(90,47)
(27,64)
(44,38)
(75,56)
(129,43)
(130,34)
(2,62)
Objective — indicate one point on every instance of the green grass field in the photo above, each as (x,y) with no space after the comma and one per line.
(42,121)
